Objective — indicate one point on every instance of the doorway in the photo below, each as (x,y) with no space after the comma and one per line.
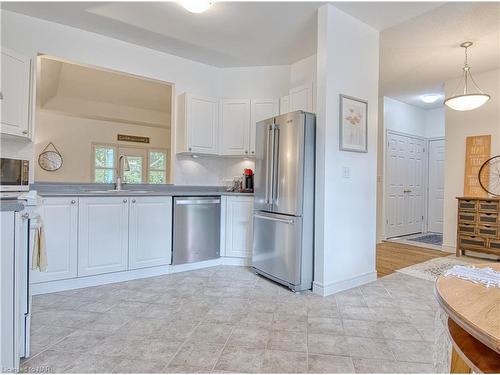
(436,185)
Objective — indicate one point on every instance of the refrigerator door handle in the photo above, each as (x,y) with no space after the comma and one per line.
(270,164)
(276,143)
(286,221)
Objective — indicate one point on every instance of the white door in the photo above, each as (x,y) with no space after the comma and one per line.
(203,124)
(405,170)
(262,109)
(301,98)
(60,221)
(150,231)
(235,126)
(436,186)
(239,223)
(14,93)
(284,104)
(102,235)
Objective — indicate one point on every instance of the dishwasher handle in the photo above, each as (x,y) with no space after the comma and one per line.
(197,201)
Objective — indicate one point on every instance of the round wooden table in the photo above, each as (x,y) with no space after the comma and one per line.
(473,322)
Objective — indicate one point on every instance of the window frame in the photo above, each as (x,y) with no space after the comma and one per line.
(165,171)
(96,145)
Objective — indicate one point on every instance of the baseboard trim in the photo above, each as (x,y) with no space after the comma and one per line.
(116,277)
(339,286)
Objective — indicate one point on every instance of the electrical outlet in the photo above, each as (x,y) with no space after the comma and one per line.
(346,172)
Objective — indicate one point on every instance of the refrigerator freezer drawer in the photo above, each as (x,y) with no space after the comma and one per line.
(277,247)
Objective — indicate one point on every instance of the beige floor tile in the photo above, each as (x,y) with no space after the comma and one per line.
(138,366)
(276,361)
(199,355)
(288,341)
(79,341)
(327,344)
(93,364)
(362,328)
(212,332)
(240,360)
(250,337)
(45,336)
(399,331)
(369,348)
(325,325)
(412,351)
(329,364)
(50,361)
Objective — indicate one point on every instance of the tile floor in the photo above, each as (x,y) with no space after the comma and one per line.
(226,319)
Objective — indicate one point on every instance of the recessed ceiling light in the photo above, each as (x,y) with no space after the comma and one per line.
(429,98)
(196,6)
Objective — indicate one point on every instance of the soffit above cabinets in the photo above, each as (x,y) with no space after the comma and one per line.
(99,94)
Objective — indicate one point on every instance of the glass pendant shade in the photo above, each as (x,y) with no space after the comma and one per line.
(467,100)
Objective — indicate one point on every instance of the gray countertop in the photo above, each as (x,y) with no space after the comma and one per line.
(102,190)
(11,205)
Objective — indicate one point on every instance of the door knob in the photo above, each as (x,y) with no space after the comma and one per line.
(73,201)
(133,200)
(25,132)
(124,201)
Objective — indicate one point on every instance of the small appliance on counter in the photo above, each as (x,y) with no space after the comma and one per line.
(248,181)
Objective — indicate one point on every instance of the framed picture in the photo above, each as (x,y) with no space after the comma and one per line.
(353,124)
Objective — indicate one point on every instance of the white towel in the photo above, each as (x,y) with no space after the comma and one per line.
(39,259)
(486,276)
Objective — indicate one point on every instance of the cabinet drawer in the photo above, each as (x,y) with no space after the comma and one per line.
(495,244)
(467,229)
(471,242)
(488,231)
(467,205)
(466,217)
(488,206)
(487,218)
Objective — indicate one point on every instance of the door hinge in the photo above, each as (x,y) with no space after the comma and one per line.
(422,218)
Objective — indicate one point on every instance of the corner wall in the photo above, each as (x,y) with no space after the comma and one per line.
(344,257)
(482,121)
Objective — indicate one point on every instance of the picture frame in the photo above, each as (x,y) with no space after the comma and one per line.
(353,124)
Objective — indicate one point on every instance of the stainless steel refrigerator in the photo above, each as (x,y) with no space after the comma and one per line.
(283,238)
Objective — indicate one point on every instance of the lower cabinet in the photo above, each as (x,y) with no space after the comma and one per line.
(102,235)
(60,219)
(239,224)
(150,231)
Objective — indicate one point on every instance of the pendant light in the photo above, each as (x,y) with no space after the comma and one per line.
(467,101)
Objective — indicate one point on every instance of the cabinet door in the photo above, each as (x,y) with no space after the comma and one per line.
(301,98)
(235,126)
(262,109)
(202,118)
(102,235)
(15,93)
(284,104)
(150,231)
(60,222)
(239,222)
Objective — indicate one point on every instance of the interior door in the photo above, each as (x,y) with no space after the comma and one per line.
(288,165)
(405,170)
(436,186)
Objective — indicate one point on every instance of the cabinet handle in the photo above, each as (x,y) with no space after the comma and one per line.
(246,152)
(253,152)
(25,132)
(133,200)
(73,201)
(124,201)
(189,149)
(1,95)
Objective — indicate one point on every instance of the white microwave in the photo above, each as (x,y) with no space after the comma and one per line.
(14,174)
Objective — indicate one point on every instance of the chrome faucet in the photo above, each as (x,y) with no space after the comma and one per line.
(123,165)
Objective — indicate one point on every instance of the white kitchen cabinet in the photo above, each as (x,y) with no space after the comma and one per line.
(239,226)
(60,221)
(102,235)
(150,231)
(262,109)
(235,129)
(284,104)
(301,98)
(15,94)
(198,124)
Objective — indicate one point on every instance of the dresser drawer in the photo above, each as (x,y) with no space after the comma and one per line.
(467,229)
(466,217)
(488,231)
(488,206)
(495,244)
(472,242)
(487,218)
(467,205)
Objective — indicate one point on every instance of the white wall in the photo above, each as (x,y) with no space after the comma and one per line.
(435,123)
(31,36)
(482,121)
(344,258)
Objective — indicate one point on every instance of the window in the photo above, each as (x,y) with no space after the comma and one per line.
(157,167)
(134,174)
(104,163)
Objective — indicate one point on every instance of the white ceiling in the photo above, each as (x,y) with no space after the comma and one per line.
(419,55)
(228,34)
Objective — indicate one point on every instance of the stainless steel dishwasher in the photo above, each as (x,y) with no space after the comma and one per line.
(196,229)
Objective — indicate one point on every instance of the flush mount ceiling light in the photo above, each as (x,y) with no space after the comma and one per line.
(429,98)
(196,6)
(467,101)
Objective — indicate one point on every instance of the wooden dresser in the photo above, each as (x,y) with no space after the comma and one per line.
(478,225)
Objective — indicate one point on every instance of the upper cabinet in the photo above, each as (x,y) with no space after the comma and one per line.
(301,98)
(235,126)
(262,109)
(15,94)
(198,124)
(284,104)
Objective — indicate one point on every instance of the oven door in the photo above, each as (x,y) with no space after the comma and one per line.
(14,174)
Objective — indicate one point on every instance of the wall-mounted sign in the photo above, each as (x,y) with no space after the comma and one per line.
(133,138)
(477,151)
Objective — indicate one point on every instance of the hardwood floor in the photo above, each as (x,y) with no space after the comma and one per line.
(392,256)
